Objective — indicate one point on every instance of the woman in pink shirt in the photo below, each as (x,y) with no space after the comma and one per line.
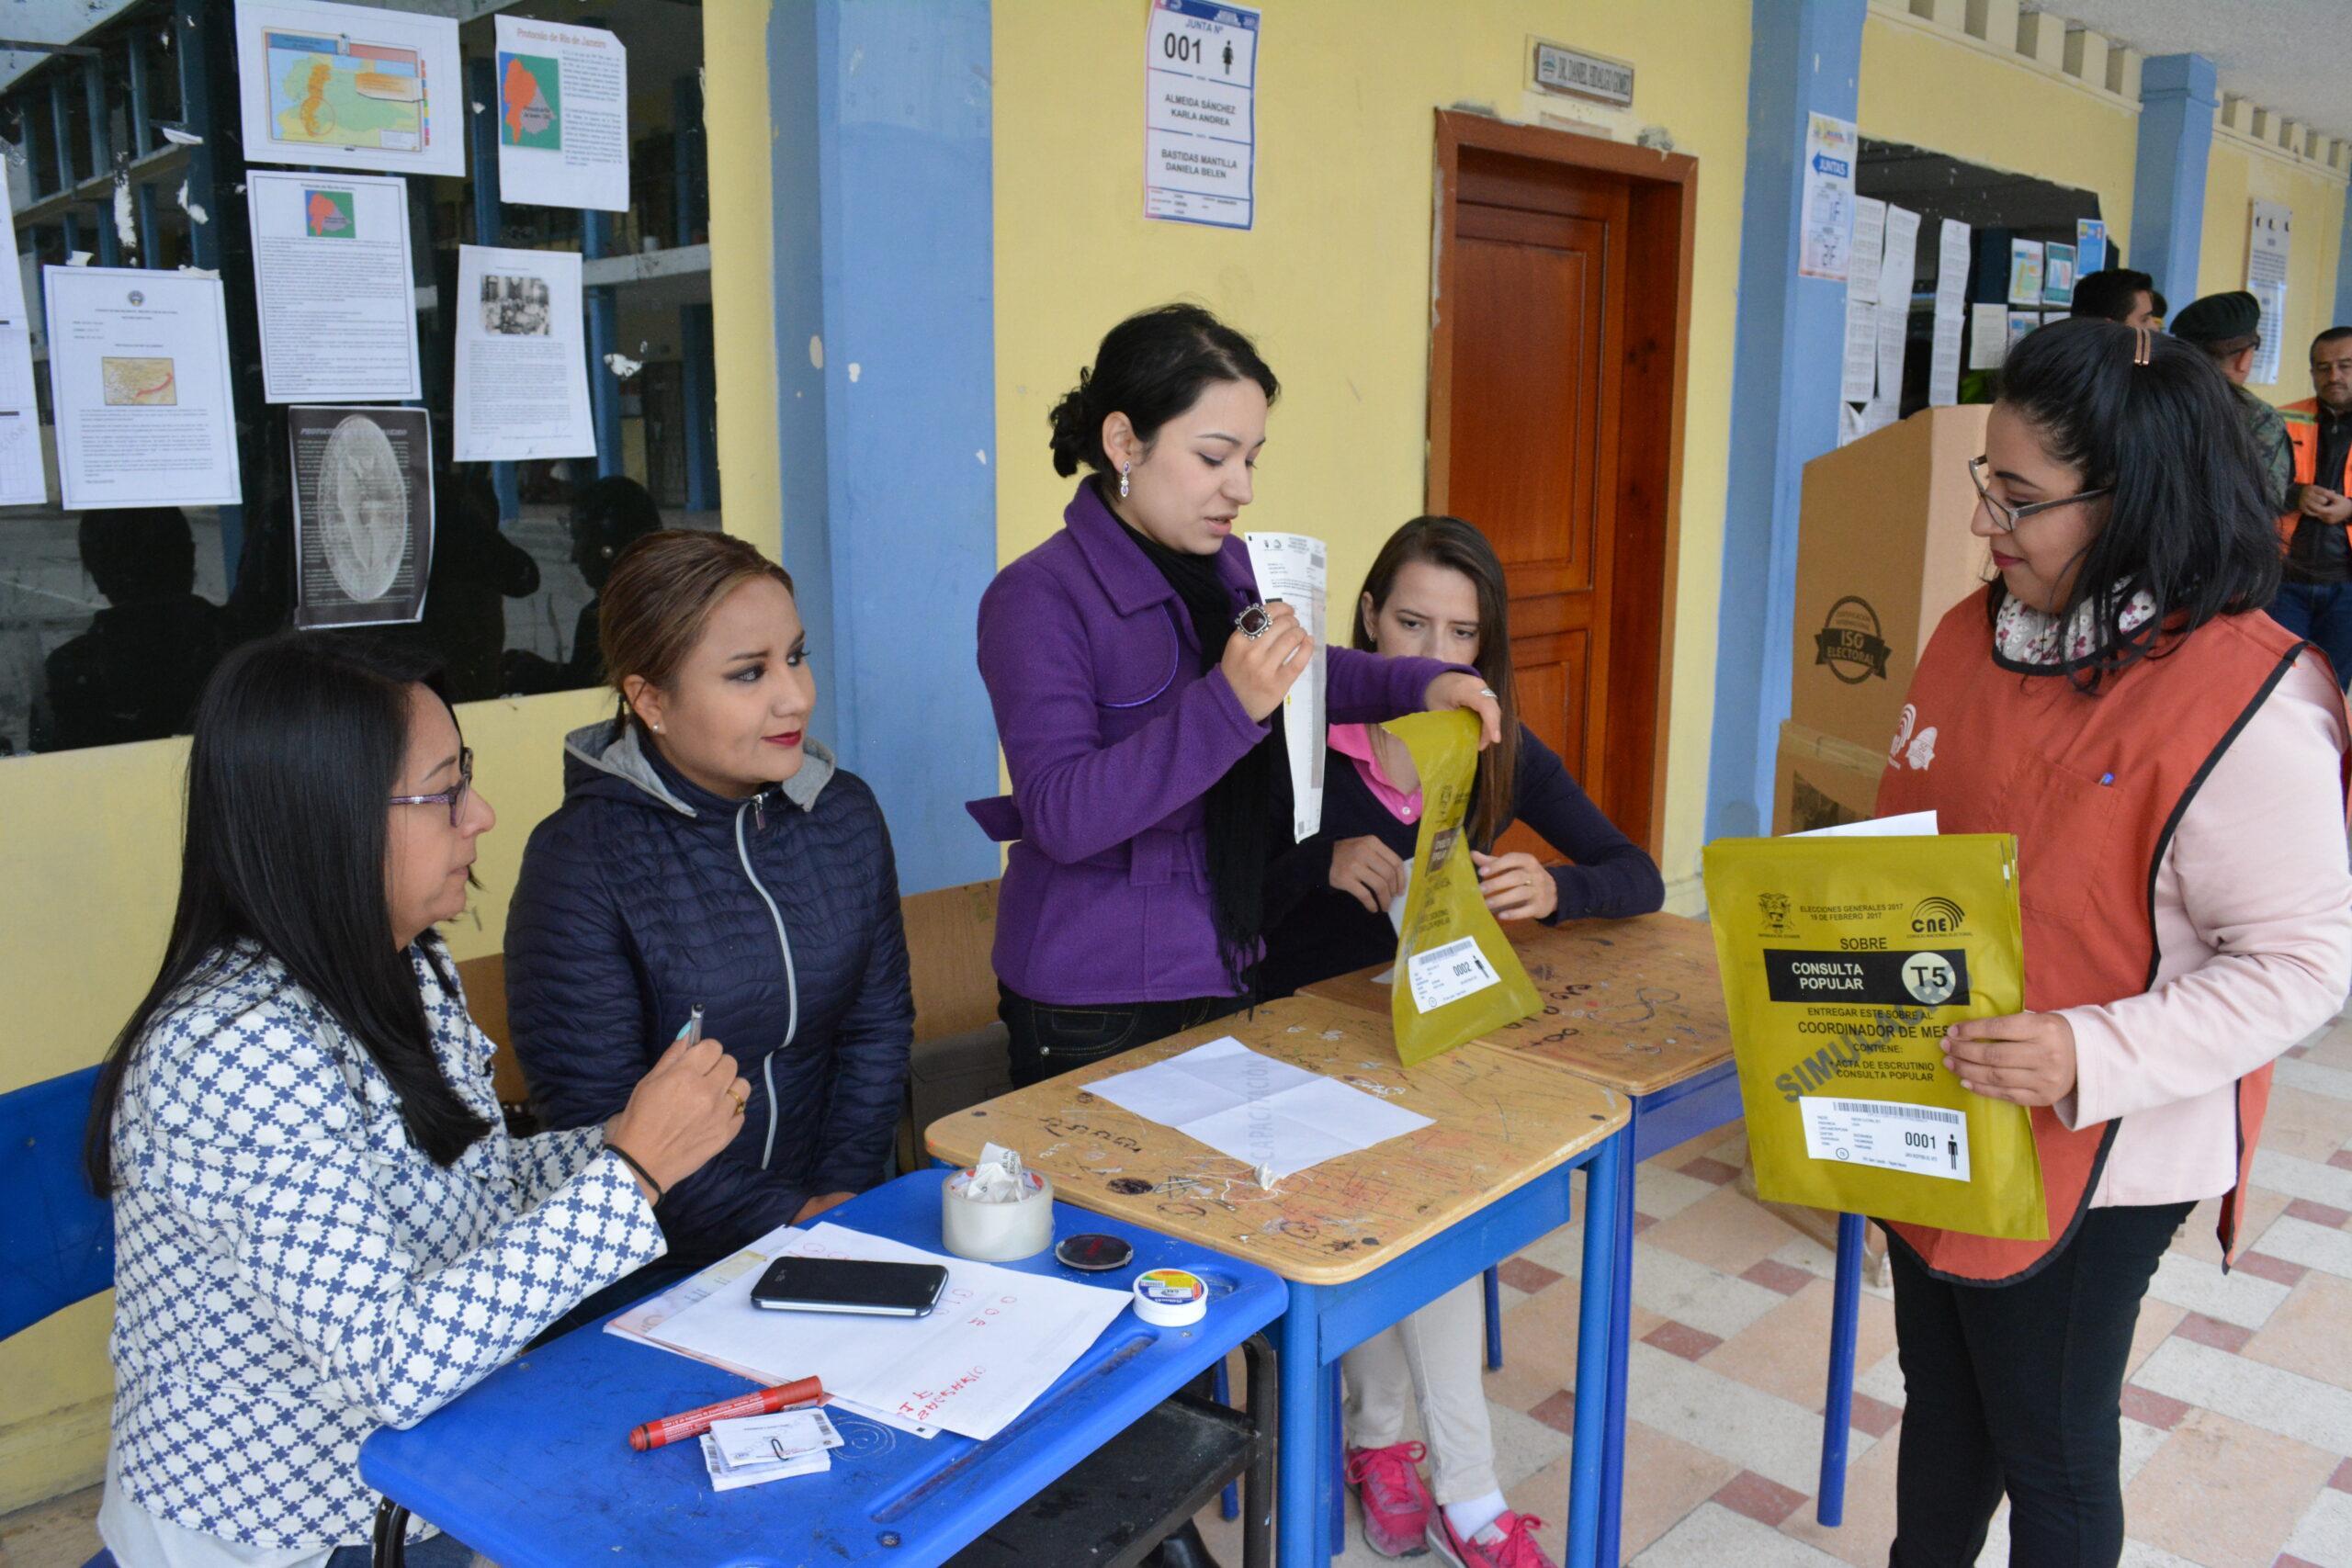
(2171,762)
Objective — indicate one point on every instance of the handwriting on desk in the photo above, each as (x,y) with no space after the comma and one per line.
(1081,1130)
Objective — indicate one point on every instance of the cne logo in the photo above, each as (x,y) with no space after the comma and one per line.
(1936,917)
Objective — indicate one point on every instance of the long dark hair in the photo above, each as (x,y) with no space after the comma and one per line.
(1451,542)
(2188,520)
(298,740)
(1151,368)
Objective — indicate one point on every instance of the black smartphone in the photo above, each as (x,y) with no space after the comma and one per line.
(848,1284)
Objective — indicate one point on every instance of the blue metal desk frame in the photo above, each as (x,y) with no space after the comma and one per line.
(532,1468)
(1661,1121)
(1326,1321)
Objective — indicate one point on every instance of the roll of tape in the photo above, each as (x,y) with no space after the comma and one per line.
(997,1232)
(1170,1298)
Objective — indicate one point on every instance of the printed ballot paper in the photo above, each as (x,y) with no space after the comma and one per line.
(1460,976)
(1273,1117)
(997,1340)
(1291,567)
(1844,960)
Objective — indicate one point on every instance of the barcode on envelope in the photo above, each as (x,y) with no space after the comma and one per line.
(1900,1112)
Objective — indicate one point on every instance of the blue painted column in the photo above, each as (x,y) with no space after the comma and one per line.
(1805,57)
(2343,272)
(885,397)
(2177,99)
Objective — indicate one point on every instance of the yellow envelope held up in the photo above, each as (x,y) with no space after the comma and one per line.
(1844,960)
(1456,976)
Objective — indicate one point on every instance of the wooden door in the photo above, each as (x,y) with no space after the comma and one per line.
(1537,304)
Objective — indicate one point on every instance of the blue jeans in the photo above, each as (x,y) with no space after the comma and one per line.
(2321,612)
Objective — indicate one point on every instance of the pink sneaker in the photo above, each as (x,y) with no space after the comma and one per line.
(1396,1504)
(1508,1542)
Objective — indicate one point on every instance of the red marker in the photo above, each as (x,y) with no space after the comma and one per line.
(695,1422)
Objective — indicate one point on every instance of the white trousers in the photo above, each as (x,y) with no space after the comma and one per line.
(1435,1356)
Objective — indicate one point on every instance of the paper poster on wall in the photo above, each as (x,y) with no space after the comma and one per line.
(562,115)
(2270,239)
(522,367)
(2090,246)
(2057,274)
(363,514)
(138,381)
(1860,382)
(1869,250)
(23,481)
(1988,335)
(350,87)
(333,286)
(2021,323)
(2024,272)
(1952,303)
(1200,114)
(1826,224)
(1898,267)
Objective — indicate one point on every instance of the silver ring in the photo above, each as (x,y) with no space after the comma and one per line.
(1253,622)
(1489,693)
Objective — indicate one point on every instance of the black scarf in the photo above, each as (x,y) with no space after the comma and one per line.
(1239,806)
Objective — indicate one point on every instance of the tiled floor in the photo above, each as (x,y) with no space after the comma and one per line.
(2237,1432)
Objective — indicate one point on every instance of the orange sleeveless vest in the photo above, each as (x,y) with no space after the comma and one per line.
(2093,787)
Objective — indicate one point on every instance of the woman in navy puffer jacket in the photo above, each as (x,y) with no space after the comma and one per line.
(708,853)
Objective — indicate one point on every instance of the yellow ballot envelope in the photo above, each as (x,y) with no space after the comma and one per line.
(1456,976)
(1844,960)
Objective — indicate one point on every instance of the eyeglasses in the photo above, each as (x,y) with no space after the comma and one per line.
(454,797)
(2008,517)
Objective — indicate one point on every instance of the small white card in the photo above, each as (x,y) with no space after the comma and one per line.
(725,1477)
(1448,974)
(769,1439)
(1925,1140)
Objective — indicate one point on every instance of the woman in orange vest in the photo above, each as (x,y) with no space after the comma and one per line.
(2172,763)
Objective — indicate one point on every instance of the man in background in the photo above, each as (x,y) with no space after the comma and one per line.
(2228,328)
(2316,600)
(2119,294)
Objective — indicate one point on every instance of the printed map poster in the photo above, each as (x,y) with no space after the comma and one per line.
(139,379)
(350,87)
(332,281)
(562,115)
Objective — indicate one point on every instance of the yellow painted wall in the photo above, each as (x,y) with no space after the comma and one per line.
(1933,90)
(89,840)
(1334,281)
(2238,175)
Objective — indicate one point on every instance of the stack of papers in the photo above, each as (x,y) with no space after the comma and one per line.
(1273,1117)
(996,1341)
(768,1448)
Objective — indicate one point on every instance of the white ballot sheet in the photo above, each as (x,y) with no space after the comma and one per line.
(333,287)
(1268,1115)
(139,377)
(1861,378)
(562,115)
(350,87)
(1869,248)
(997,1340)
(1292,568)
(522,367)
(1988,335)
(1910,825)
(1898,264)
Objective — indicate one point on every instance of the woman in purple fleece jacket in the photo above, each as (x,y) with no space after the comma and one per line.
(1134,691)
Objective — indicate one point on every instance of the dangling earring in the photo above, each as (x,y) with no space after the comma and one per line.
(1123,481)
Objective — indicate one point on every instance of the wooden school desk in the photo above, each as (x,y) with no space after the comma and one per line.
(532,1467)
(1638,1005)
(1363,1239)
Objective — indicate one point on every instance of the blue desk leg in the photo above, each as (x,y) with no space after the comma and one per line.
(1597,1411)
(1298,1467)
(1621,1327)
(1335,1473)
(1494,1321)
(1839,1416)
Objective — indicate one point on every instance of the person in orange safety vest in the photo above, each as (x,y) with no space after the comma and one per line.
(2316,599)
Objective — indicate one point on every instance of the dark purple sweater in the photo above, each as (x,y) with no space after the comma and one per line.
(1314,931)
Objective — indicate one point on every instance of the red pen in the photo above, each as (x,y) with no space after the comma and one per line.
(695,1422)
